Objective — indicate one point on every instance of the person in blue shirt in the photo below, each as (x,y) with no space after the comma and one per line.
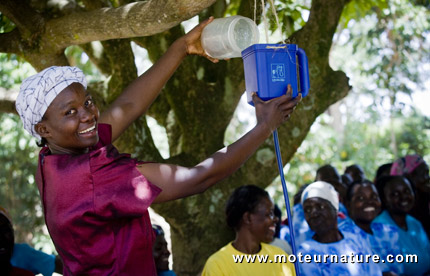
(416,170)
(383,170)
(364,204)
(7,240)
(398,198)
(25,257)
(356,172)
(329,174)
(161,253)
(302,232)
(333,252)
(277,240)
(38,262)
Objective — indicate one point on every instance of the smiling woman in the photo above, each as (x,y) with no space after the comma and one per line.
(363,206)
(398,197)
(320,204)
(250,212)
(95,199)
(69,124)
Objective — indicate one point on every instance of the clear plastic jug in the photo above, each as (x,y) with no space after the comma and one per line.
(227,37)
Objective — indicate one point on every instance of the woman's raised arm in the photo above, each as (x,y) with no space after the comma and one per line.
(139,95)
(177,182)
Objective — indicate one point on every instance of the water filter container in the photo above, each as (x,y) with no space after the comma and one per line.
(228,37)
(269,68)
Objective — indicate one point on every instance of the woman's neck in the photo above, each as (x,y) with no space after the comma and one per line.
(54,149)
(399,219)
(332,235)
(365,226)
(246,244)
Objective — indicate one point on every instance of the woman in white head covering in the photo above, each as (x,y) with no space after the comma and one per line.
(320,204)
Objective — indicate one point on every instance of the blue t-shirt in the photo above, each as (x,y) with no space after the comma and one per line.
(36,261)
(383,242)
(338,260)
(166,273)
(412,241)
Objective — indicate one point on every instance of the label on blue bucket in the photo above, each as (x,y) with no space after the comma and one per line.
(278,72)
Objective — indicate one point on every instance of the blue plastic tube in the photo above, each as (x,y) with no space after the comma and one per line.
(287,201)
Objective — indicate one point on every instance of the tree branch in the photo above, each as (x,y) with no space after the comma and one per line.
(10,42)
(25,18)
(131,20)
(7,107)
(7,100)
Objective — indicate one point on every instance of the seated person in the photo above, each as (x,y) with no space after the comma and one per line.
(250,212)
(38,262)
(277,241)
(346,179)
(161,253)
(383,170)
(7,238)
(328,174)
(364,205)
(321,204)
(301,228)
(356,172)
(397,198)
(416,170)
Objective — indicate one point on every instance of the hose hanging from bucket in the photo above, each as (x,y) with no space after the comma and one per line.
(277,149)
(286,198)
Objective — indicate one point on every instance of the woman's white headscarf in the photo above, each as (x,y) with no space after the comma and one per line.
(322,190)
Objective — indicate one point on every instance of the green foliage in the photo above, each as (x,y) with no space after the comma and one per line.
(358,9)
(383,50)
(10,77)
(18,156)
(5,24)
(414,134)
(18,190)
(290,14)
(392,46)
(361,143)
(77,57)
(233,7)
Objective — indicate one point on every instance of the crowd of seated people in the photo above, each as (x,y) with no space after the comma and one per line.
(389,215)
(386,218)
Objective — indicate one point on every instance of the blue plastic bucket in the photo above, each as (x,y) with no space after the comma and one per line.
(269,68)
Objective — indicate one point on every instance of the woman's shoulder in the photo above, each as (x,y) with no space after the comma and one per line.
(221,256)
(383,217)
(105,134)
(379,227)
(414,223)
(309,245)
(272,249)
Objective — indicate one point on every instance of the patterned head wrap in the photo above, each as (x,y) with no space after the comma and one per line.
(406,165)
(322,190)
(37,93)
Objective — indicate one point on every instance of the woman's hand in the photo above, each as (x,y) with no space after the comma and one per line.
(193,43)
(274,112)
